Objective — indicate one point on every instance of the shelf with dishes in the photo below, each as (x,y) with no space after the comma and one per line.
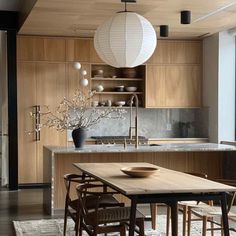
(115,86)
(116,79)
(118,93)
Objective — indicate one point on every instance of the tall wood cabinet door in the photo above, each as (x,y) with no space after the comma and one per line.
(51,89)
(155,86)
(183,86)
(26,92)
(73,79)
(78,50)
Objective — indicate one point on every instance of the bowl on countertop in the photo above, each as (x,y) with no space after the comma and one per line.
(131,89)
(119,88)
(120,103)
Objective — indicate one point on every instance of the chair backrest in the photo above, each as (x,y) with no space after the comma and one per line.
(87,192)
(69,178)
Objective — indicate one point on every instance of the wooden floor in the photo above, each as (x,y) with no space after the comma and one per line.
(19,205)
(27,205)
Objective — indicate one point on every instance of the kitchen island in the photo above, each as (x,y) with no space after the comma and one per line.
(202,158)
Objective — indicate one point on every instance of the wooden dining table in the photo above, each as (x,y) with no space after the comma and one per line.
(164,186)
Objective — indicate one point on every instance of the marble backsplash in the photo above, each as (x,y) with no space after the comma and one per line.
(158,123)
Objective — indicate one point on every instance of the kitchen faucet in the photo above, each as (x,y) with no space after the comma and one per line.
(134,96)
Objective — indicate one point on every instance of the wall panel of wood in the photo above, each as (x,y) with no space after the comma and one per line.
(26,83)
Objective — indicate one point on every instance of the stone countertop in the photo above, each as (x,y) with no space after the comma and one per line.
(198,147)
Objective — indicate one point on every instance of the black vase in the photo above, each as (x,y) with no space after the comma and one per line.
(79,135)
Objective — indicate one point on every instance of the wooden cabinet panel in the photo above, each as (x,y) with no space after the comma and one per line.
(30,48)
(26,84)
(183,86)
(173,86)
(177,52)
(40,49)
(160,55)
(51,89)
(54,49)
(73,78)
(155,86)
(185,52)
(78,50)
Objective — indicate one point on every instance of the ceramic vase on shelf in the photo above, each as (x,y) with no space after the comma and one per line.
(79,136)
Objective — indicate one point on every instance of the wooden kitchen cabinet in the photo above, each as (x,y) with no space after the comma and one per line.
(39,83)
(174,75)
(40,49)
(177,52)
(183,86)
(78,50)
(27,147)
(173,86)
(155,93)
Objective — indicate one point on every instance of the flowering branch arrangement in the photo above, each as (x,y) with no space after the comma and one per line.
(76,113)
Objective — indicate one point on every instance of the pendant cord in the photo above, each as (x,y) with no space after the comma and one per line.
(125,6)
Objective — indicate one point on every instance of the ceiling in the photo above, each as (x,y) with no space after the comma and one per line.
(82,17)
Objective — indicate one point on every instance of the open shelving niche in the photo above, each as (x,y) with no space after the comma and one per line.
(124,76)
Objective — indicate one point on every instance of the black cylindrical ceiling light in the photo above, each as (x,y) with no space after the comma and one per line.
(164,30)
(185,17)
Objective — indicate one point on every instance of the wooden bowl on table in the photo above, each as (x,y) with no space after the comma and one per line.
(139,172)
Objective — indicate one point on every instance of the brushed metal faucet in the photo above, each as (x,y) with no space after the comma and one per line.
(134,96)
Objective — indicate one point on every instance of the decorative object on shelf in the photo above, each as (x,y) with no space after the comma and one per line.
(131,89)
(94,103)
(129,72)
(109,103)
(185,17)
(98,73)
(76,114)
(120,103)
(119,88)
(99,88)
(164,30)
(116,45)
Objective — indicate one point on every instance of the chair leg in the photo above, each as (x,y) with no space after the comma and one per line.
(65,222)
(204,225)
(189,220)
(140,224)
(212,227)
(185,212)
(168,215)
(153,208)
(80,226)
(123,230)
(222,227)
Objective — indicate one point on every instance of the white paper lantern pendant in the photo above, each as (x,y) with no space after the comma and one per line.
(125,40)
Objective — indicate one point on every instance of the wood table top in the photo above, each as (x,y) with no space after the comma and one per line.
(164,181)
